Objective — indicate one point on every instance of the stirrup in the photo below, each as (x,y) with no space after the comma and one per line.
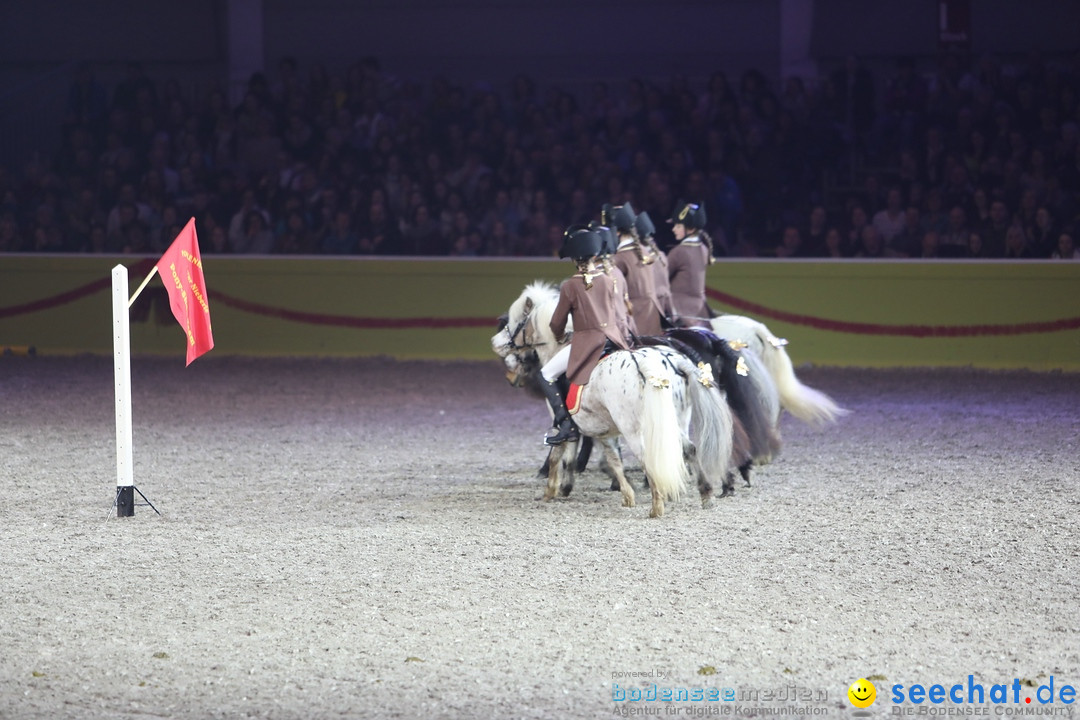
(565,432)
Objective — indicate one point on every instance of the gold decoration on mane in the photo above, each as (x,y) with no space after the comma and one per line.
(705,374)
(777,342)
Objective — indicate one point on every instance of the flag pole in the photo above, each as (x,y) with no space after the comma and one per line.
(146,280)
(125,485)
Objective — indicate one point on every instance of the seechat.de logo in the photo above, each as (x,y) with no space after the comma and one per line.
(973,693)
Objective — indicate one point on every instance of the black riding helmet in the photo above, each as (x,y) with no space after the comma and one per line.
(608,242)
(644,225)
(620,218)
(691,215)
(580,243)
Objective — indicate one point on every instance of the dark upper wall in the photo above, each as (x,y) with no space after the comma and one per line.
(43,33)
(564,40)
(1019,26)
(910,27)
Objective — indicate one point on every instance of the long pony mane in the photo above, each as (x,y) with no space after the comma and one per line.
(544,297)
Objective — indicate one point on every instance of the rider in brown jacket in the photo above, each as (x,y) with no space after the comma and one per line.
(661,282)
(590,298)
(687,263)
(634,260)
(606,262)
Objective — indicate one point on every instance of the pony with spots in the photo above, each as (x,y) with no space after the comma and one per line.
(670,412)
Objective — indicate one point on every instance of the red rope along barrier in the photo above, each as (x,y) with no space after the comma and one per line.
(860,328)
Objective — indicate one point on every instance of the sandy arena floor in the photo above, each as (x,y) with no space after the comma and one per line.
(364,538)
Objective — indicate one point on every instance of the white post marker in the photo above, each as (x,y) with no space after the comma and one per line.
(125,484)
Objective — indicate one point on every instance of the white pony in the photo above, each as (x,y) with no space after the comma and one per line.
(804,402)
(650,397)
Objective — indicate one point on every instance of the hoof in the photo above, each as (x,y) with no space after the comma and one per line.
(745,472)
(728,492)
(565,490)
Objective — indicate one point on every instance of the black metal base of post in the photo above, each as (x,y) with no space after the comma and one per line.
(125,501)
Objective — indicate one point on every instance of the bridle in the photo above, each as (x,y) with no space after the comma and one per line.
(519,351)
(522,330)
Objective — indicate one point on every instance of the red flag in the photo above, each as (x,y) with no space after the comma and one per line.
(181,271)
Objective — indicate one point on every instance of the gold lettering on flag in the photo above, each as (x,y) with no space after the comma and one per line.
(183,296)
(188,278)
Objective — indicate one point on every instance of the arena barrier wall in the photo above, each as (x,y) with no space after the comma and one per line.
(841,313)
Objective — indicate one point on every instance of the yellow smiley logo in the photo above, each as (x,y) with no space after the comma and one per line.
(862,693)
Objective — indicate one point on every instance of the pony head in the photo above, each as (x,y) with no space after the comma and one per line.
(527,325)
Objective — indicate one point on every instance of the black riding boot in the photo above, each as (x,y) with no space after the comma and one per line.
(564,427)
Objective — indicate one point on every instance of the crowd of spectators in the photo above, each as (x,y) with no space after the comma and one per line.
(967,159)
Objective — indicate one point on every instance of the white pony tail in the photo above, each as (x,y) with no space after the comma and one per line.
(660,433)
(712,422)
(804,402)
